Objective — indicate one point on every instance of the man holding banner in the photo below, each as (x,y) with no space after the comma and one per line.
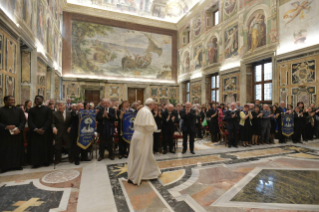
(141,161)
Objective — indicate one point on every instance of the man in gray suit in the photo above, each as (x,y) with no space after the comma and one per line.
(265,124)
(61,124)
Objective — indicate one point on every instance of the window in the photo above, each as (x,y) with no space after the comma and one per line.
(216,17)
(186,36)
(214,88)
(262,76)
(212,16)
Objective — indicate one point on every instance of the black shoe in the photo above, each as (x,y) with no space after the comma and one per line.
(47,164)
(165,152)
(35,166)
(19,168)
(229,146)
(100,158)
(183,152)
(193,152)
(77,163)
(131,182)
(111,157)
(172,152)
(235,146)
(3,171)
(86,159)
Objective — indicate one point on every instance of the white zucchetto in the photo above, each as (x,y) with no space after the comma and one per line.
(149,101)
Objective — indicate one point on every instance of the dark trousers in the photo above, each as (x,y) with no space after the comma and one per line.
(309,131)
(123,146)
(168,140)
(156,144)
(265,133)
(65,137)
(76,150)
(103,141)
(281,137)
(296,137)
(199,130)
(191,135)
(232,136)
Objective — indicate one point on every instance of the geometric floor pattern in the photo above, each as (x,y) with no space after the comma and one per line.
(265,178)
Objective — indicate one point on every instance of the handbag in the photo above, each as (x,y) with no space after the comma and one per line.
(204,123)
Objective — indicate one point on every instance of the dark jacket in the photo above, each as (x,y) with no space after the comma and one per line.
(75,118)
(60,124)
(189,121)
(105,126)
(232,122)
(158,120)
(169,125)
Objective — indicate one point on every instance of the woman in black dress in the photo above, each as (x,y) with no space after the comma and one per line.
(245,126)
(274,125)
(256,122)
(213,127)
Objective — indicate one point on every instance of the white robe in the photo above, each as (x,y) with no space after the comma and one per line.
(141,163)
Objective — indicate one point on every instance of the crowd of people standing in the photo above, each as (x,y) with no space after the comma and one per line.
(53,128)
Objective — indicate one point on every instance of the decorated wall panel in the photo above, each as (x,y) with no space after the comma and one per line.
(41,79)
(230,8)
(196,92)
(230,88)
(298,80)
(25,93)
(299,25)
(115,92)
(112,51)
(8,66)
(57,86)
(164,95)
(26,67)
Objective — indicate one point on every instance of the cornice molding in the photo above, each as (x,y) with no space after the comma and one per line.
(297,52)
(8,25)
(73,8)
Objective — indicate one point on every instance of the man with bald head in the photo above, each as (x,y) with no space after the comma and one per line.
(188,127)
(105,128)
(169,117)
(232,118)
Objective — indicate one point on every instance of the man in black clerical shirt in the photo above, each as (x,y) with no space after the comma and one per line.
(232,118)
(41,137)
(169,117)
(12,122)
(188,127)
(105,128)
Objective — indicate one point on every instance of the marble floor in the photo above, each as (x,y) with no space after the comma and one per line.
(264,178)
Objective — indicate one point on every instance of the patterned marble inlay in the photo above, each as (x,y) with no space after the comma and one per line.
(282,186)
(262,152)
(170,177)
(60,176)
(303,155)
(189,161)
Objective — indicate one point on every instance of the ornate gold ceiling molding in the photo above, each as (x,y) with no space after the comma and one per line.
(73,8)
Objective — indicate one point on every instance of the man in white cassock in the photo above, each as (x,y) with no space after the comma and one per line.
(141,161)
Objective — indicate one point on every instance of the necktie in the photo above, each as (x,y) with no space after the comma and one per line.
(63,116)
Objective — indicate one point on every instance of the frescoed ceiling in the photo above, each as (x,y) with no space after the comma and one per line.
(165,10)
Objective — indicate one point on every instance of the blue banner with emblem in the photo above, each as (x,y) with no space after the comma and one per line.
(287,123)
(128,126)
(87,122)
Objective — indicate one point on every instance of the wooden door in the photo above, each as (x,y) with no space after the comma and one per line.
(135,94)
(92,96)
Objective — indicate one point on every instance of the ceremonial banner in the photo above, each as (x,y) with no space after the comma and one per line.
(86,128)
(128,126)
(287,123)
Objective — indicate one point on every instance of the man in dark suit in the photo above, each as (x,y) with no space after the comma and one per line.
(232,118)
(61,124)
(265,124)
(169,117)
(105,128)
(281,109)
(188,127)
